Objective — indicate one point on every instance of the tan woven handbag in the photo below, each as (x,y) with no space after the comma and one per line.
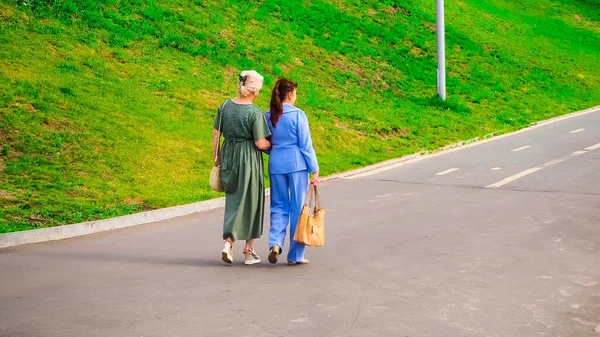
(215,173)
(310,229)
(215,179)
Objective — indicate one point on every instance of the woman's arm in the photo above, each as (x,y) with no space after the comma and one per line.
(260,131)
(263,144)
(305,143)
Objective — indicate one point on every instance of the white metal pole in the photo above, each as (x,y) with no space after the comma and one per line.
(441,50)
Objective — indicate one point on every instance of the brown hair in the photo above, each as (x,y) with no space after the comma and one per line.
(282,88)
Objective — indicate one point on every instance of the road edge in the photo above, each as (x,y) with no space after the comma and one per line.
(98,226)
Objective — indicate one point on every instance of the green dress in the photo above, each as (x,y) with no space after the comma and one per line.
(242,169)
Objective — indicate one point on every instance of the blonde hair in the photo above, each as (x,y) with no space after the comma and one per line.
(249,82)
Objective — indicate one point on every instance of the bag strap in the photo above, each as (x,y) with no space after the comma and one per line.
(318,200)
(307,198)
(312,200)
(218,149)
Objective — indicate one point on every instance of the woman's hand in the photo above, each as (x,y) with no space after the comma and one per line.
(263,144)
(315,179)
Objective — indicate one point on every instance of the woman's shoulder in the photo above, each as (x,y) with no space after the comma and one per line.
(292,109)
(228,105)
(301,113)
(225,103)
(255,109)
(251,111)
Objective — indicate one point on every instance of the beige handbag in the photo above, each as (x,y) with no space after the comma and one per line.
(215,179)
(310,229)
(215,173)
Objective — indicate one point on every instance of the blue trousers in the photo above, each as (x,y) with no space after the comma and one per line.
(287,197)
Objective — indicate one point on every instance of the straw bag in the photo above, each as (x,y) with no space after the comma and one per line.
(215,173)
(215,179)
(310,229)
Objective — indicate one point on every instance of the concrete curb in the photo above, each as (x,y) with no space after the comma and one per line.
(86,228)
(70,231)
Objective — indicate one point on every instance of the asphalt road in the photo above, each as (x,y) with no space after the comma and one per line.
(497,239)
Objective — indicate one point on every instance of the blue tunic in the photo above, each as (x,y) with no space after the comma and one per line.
(292,149)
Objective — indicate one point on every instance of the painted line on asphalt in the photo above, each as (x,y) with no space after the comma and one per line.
(555,161)
(534,169)
(593,147)
(514,177)
(447,171)
(496,168)
(396,163)
(576,131)
(520,148)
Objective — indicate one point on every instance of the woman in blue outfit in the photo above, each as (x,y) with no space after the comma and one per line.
(292,158)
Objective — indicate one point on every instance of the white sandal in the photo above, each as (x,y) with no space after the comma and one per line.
(251,257)
(227,252)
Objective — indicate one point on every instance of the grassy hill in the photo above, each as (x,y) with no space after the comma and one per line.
(106,106)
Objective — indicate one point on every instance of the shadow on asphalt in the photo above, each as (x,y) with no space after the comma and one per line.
(156,260)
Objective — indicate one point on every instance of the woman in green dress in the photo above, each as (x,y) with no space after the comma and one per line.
(245,133)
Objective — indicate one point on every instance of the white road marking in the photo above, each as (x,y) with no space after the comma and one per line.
(496,168)
(593,147)
(521,148)
(575,131)
(534,169)
(556,161)
(446,172)
(514,177)
(395,163)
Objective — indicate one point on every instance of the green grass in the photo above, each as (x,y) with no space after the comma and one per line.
(106,106)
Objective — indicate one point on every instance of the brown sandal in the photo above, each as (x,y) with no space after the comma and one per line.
(274,254)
